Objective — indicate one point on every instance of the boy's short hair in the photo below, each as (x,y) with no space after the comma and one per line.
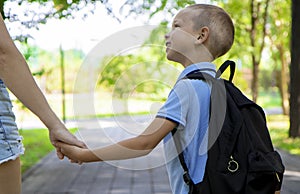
(220,25)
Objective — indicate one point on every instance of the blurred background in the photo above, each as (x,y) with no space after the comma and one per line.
(56,36)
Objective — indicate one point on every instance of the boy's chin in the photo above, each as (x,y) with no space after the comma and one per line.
(173,57)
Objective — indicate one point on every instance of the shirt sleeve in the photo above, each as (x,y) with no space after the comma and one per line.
(176,107)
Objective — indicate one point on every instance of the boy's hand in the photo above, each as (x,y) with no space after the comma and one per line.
(63,135)
(74,153)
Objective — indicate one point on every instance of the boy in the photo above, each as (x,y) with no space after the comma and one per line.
(200,33)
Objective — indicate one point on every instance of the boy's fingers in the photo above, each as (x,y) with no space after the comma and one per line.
(58,145)
(61,145)
(59,153)
(62,148)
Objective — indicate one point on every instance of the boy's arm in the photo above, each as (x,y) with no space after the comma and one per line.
(16,75)
(129,148)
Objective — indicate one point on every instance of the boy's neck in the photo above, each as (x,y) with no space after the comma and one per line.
(189,62)
(201,54)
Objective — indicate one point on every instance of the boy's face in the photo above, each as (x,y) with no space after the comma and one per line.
(181,39)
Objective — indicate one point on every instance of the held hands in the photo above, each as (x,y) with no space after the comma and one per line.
(62,135)
(74,153)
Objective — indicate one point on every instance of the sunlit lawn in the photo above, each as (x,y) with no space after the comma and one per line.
(279,126)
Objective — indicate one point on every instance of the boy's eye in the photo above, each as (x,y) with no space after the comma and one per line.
(175,25)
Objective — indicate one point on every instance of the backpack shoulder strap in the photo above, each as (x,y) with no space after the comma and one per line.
(224,66)
(186,176)
(197,74)
(203,76)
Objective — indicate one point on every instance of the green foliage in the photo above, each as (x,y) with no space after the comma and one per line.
(46,68)
(144,70)
(268,79)
(127,75)
(277,31)
(154,7)
(240,14)
(279,28)
(275,53)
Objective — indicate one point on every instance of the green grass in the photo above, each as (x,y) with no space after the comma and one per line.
(279,126)
(269,99)
(37,145)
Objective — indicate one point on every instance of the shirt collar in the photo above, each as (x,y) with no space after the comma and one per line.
(205,67)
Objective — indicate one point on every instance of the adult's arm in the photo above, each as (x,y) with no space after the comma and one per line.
(16,75)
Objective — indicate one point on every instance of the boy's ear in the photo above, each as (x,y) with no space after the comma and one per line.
(202,35)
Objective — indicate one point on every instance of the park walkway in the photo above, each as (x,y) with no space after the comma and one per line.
(146,175)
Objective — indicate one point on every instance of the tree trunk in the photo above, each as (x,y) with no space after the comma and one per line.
(295,72)
(256,35)
(283,82)
(254,84)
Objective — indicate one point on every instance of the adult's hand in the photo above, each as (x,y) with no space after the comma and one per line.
(63,135)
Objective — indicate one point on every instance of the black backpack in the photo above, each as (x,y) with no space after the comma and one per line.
(241,157)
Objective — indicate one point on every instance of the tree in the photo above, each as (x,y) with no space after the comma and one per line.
(251,19)
(259,16)
(279,47)
(294,72)
(272,35)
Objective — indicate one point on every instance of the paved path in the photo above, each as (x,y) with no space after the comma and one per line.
(146,175)
(291,180)
(52,176)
